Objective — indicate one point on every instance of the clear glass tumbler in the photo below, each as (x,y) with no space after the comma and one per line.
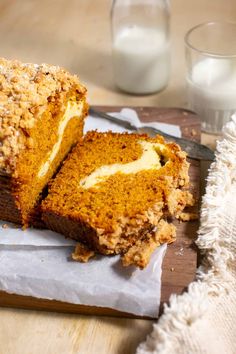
(141,50)
(211,73)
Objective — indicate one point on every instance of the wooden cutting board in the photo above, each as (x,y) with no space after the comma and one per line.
(180,261)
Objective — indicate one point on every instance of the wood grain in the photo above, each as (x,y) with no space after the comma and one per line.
(181,258)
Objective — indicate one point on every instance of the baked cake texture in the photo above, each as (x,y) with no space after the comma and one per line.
(117,193)
(42,109)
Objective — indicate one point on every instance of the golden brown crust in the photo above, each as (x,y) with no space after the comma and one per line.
(8,207)
(25,90)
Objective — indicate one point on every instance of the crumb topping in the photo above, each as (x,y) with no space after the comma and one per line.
(25,90)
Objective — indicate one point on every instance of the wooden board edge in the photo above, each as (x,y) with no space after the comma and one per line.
(31,303)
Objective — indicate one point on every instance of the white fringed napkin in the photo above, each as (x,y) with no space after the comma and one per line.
(203,320)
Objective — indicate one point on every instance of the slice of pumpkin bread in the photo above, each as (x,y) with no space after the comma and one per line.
(42,109)
(116,194)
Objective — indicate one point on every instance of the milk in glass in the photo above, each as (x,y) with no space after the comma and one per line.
(140,45)
(141,58)
(212,91)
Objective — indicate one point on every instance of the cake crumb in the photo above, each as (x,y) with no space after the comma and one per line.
(82,253)
(185,216)
(139,254)
(5,226)
(172,269)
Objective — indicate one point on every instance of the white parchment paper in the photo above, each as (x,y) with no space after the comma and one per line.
(50,274)
(38,262)
(14,236)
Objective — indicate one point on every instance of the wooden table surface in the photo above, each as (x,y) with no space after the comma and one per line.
(76,34)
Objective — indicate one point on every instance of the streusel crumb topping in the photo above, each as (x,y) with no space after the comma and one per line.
(25,90)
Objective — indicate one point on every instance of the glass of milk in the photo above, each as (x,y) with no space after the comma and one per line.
(211,73)
(141,49)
